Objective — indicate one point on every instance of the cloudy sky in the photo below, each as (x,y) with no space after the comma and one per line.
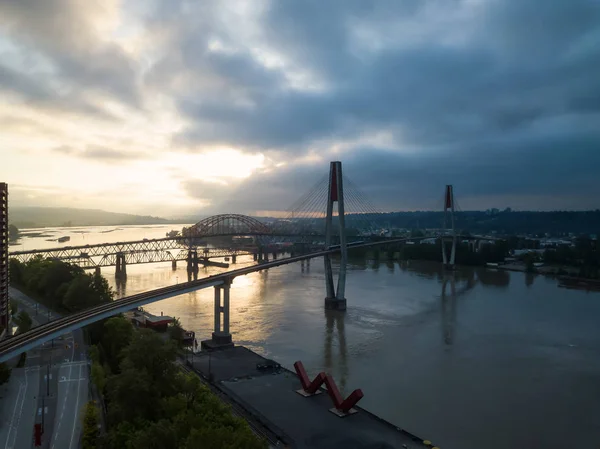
(181,107)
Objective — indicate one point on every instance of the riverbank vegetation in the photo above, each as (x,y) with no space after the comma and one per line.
(150,403)
(61,286)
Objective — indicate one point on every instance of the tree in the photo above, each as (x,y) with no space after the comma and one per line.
(176,332)
(54,278)
(23,322)
(86,291)
(98,376)
(4,373)
(148,353)
(89,439)
(13,232)
(15,268)
(117,334)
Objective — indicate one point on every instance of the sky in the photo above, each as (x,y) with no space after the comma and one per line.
(182,107)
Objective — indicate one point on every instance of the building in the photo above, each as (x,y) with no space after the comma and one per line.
(4,305)
(141,318)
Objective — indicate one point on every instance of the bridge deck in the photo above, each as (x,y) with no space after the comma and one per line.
(307,422)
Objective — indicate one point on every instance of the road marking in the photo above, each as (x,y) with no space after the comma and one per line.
(12,419)
(72,380)
(76,414)
(62,412)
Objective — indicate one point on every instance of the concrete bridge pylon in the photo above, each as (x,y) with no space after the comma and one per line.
(449,225)
(335,299)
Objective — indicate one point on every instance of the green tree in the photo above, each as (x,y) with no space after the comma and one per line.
(13,232)
(55,277)
(148,353)
(131,397)
(16,268)
(98,376)
(23,322)
(116,336)
(89,439)
(4,373)
(86,291)
(156,435)
(176,332)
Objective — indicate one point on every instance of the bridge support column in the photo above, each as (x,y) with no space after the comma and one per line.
(233,258)
(274,255)
(335,299)
(173,265)
(265,257)
(121,267)
(255,256)
(221,337)
(97,271)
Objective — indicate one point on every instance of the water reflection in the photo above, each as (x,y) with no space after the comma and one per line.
(448,300)
(334,322)
(494,278)
(529,278)
(448,305)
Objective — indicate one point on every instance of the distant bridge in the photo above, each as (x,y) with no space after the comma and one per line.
(132,252)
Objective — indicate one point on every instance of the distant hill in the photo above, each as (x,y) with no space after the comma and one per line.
(38,217)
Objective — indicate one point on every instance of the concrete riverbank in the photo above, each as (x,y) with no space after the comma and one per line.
(269,396)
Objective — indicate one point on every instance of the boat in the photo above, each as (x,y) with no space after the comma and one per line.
(66,238)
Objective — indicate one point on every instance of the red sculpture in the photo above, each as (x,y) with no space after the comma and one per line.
(343,405)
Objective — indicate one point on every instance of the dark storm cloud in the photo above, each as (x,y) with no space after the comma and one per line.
(509,110)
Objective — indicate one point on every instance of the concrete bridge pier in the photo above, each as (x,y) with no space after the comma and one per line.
(221,337)
(173,265)
(192,261)
(255,256)
(233,258)
(97,271)
(336,298)
(121,266)
(274,255)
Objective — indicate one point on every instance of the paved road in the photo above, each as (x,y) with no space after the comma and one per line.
(61,386)
(18,408)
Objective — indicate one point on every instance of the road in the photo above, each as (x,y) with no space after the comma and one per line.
(51,389)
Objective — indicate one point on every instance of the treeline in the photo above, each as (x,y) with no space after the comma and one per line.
(59,285)
(150,403)
(504,222)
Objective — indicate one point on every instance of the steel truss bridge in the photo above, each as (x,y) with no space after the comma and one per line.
(134,252)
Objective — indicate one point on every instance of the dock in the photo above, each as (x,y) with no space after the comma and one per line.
(269,396)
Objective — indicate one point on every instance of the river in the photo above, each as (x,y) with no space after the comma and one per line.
(477,359)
